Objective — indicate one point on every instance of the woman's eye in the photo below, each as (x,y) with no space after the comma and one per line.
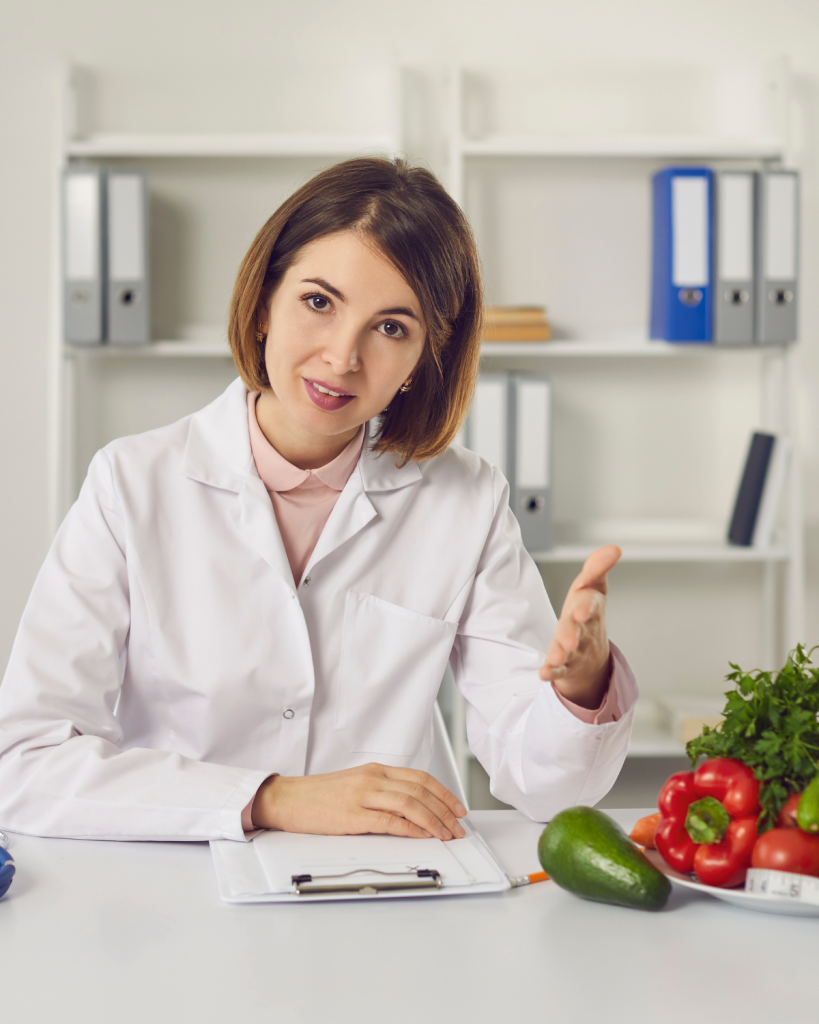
(392,329)
(319,303)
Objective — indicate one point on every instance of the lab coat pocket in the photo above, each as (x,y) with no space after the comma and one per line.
(392,663)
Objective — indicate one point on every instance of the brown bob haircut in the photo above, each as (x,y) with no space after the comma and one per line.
(410,218)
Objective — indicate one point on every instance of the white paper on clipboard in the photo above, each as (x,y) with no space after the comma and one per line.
(261,871)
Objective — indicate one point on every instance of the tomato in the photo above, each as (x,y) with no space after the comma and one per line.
(787,816)
(787,849)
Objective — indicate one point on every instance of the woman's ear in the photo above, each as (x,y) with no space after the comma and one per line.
(263,313)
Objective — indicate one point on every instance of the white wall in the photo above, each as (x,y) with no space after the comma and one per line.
(670,445)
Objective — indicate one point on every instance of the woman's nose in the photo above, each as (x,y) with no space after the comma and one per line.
(342,352)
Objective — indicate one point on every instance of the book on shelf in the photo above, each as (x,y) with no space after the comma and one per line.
(760,491)
(516,323)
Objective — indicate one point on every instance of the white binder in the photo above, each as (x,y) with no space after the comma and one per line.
(288,867)
(777,256)
(734,292)
(772,489)
(487,429)
(531,414)
(83,255)
(128,302)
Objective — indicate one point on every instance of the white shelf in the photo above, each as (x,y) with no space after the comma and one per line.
(660,147)
(645,742)
(173,145)
(597,348)
(565,554)
(154,350)
(489,349)
(649,741)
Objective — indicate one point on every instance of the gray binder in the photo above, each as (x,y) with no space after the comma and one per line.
(734,258)
(777,256)
(531,457)
(128,305)
(83,255)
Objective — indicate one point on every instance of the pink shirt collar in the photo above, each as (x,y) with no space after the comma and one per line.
(280,475)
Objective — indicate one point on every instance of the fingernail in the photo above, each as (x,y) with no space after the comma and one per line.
(447,833)
(460,832)
(460,810)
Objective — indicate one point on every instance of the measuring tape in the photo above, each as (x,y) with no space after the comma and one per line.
(779,885)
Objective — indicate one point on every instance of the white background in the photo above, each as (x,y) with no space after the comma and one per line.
(664,439)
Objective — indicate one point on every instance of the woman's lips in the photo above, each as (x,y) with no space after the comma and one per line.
(327,402)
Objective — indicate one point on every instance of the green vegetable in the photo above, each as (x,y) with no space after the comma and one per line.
(707,821)
(807,814)
(771,725)
(584,851)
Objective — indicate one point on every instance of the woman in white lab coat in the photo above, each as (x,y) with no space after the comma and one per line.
(202,655)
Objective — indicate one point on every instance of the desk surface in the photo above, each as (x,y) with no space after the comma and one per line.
(95,931)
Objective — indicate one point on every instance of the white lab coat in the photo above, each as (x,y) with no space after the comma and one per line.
(166,663)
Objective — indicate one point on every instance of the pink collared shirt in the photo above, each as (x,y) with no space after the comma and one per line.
(303,500)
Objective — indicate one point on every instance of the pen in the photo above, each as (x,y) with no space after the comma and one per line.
(536,876)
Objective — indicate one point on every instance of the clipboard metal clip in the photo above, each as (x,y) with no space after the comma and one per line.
(418,878)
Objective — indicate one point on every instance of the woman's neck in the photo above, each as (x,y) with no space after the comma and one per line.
(302,449)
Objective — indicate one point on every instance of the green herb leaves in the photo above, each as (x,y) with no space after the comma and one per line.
(771,725)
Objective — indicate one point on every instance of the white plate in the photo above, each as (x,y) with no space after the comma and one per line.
(738,897)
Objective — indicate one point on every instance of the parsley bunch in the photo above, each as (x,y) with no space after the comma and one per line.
(771,725)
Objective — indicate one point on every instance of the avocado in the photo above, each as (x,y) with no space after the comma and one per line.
(586,852)
(807,813)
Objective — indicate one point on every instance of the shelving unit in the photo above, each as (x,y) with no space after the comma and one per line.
(691,542)
(646,542)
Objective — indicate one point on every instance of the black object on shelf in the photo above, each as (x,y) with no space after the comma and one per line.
(749,496)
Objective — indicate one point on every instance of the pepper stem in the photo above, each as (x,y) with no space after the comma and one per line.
(707,821)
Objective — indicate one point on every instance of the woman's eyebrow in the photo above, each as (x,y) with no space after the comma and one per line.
(395,311)
(324,284)
(398,311)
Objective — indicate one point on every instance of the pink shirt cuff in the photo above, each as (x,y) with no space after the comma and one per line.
(620,695)
(247,816)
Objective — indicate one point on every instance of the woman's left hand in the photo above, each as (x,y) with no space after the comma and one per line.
(578,661)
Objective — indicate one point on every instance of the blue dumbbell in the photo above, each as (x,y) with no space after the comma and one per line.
(6,871)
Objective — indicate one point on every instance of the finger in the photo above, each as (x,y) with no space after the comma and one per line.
(556,657)
(385,823)
(595,568)
(582,607)
(395,802)
(570,629)
(428,782)
(437,808)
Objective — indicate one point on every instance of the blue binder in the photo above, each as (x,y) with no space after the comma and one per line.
(683,254)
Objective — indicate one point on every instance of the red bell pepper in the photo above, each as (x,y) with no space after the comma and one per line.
(708,821)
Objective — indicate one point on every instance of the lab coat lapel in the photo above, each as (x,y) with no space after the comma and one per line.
(218,454)
(253,514)
(354,509)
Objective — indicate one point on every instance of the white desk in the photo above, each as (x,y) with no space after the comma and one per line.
(127,932)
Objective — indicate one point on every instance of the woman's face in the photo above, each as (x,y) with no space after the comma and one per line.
(341,320)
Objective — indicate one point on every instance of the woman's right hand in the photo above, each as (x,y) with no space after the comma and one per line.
(369,798)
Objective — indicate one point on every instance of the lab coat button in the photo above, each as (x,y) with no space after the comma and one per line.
(306,580)
(289,713)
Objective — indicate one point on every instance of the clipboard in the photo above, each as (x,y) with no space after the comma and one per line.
(288,867)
